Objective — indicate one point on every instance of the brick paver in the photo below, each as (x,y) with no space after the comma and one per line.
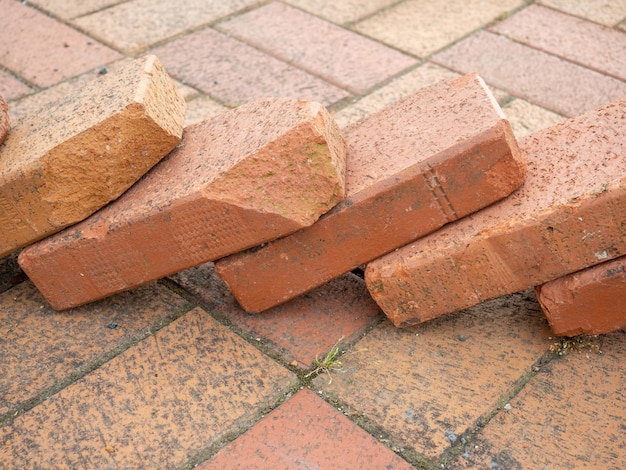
(11,88)
(299,330)
(588,44)
(5,122)
(587,301)
(566,216)
(342,12)
(156,405)
(305,432)
(570,415)
(527,118)
(607,12)
(44,51)
(42,349)
(202,108)
(541,78)
(69,9)
(343,58)
(235,73)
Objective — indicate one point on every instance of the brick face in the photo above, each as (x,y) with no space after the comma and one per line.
(4,119)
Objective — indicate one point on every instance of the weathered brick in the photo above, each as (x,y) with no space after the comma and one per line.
(439,155)
(588,301)
(4,119)
(569,214)
(78,153)
(255,173)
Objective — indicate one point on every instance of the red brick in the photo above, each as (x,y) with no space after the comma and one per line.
(586,43)
(247,176)
(44,51)
(305,432)
(586,302)
(441,154)
(80,152)
(5,125)
(339,56)
(568,214)
(540,78)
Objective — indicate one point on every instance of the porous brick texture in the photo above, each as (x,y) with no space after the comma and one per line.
(588,301)
(78,153)
(4,119)
(441,154)
(569,214)
(247,176)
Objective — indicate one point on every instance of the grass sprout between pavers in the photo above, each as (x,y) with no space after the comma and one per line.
(328,363)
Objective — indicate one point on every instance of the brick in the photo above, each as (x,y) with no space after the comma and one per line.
(339,56)
(601,11)
(401,184)
(538,77)
(526,118)
(305,432)
(585,43)
(247,176)
(11,88)
(5,124)
(44,51)
(77,154)
(156,405)
(69,9)
(586,302)
(235,73)
(343,12)
(568,214)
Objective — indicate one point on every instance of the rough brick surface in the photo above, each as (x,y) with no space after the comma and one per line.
(569,214)
(439,155)
(62,164)
(4,119)
(256,173)
(588,301)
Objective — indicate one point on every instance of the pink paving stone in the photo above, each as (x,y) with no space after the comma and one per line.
(235,73)
(73,8)
(339,56)
(44,51)
(540,78)
(11,88)
(305,432)
(586,43)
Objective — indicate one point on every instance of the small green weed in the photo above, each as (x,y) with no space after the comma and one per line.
(328,363)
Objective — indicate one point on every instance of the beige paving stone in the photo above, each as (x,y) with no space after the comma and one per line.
(422,27)
(608,12)
(527,118)
(401,87)
(69,9)
(342,12)
(424,383)
(201,108)
(134,26)
(571,415)
(154,406)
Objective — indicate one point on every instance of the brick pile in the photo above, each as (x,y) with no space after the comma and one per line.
(433,194)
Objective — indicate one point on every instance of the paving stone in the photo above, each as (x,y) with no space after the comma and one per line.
(400,185)
(44,51)
(5,123)
(341,12)
(156,405)
(438,23)
(588,301)
(570,415)
(526,118)
(77,154)
(299,330)
(425,384)
(338,56)
(607,12)
(42,349)
(401,87)
(138,24)
(11,88)
(540,78)
(69,9)
(305,432)
(202,108)
(235,73)
(568,215)
(261,171)
(588,44)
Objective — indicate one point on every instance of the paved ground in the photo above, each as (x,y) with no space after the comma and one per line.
(174,374)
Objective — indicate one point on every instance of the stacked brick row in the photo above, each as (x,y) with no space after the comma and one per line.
(433,194)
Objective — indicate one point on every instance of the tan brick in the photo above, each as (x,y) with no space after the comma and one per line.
(588,301)
(76,154)
(568,214)
(4,119)
(441,154)
(247,176)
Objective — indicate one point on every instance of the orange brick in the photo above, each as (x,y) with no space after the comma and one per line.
(439,155)
(4,119)
(588,301)
(76,154)
(569,214)
(260,171)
